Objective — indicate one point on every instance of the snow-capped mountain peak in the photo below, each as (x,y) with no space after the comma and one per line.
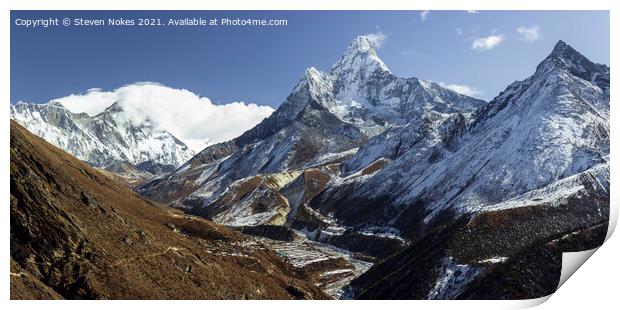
(326,117)
(360,56)
(361,90)
(106,139)
(546,128)
(115,107)
(564,57)
(561,47)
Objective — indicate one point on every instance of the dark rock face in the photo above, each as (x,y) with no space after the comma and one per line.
(155,168)
(78,234)
(516,254)
(370,245)
(274,232)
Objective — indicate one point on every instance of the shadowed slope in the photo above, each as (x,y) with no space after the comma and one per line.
(76,233)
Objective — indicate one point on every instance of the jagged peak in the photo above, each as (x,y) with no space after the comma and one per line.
(19,102)
(312,73)
(53,103)
(362,44)
(564,57)
(564,51)
(315,81)
(561,46)
(115,107)
(361,54)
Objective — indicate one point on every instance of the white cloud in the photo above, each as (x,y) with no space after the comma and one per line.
(472,11)
(377,39)
(424,15)
(487,43)
(91,103)
(529,34)
(459,31)
(463,89)
(193,119)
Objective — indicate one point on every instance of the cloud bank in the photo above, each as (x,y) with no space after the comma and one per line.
(192,119)
(487,43)
(91,103)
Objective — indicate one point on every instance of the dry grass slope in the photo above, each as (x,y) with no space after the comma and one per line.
(77,233)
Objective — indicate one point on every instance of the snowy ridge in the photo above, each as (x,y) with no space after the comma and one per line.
(104,139)
(326,118)
(595,179)
(359,157)
(362,91)
(548,127)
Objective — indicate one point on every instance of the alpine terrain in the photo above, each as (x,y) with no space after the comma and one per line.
(366,161)
(78,234)
(491,208)
(270,173)
(361,184)
(108,140)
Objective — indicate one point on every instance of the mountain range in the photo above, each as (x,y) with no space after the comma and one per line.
(447,195)
(109,140)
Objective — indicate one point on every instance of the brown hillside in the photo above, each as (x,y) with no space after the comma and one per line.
(77,233)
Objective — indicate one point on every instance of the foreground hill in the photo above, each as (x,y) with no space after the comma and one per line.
(78,234)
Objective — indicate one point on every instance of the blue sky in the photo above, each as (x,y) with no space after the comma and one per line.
(262,65)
